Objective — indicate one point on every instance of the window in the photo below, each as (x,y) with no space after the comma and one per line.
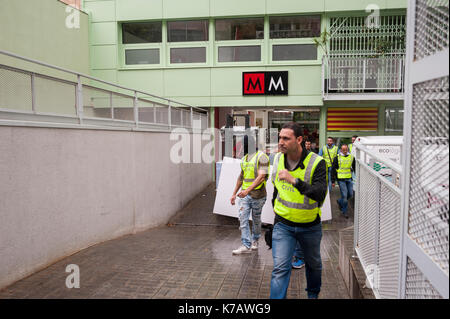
(239,29)
(142,32)
(294,27)
(294,52)
(182,31)
(240,53)
(187,55)
(394,120)
(142,56)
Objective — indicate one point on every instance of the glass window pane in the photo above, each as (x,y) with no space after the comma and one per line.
(142,56)
(240,53)
(179,31)
(239,29)
(187,55)
(294,52)
(142,32)
(394,120)
(294,27)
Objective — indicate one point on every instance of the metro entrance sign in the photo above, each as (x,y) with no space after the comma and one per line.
(265,83)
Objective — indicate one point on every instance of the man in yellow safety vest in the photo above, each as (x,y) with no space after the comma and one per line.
(329,152)
(252,182)
(300,187)
(343,166)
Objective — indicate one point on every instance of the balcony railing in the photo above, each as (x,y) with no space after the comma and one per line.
(361,74)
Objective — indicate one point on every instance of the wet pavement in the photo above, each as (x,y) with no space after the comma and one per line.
(188,258)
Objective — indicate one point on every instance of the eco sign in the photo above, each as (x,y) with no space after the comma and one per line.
(265,83)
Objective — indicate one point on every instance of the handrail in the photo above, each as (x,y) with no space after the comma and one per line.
(393,165)
(10,54)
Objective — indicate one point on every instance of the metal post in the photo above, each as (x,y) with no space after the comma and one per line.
(192,118)
(170,116)
(357,198)
(33,94)
(323,78)
(364,74)
(111,105)
(181,117)
(135,109)
(79,99)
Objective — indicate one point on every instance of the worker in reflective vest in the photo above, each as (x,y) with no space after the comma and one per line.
(329,152)
(252,182)
(350,146)
(300,187)
(342,169)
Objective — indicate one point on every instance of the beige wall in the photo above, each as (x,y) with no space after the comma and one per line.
(63,190)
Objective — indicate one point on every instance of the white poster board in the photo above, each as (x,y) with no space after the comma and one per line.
(229,173)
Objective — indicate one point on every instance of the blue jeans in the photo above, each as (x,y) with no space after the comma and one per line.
(346,188)
(298,253)
(249,205)
(284,239)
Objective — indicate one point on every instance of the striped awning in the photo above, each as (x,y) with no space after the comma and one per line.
(352,119)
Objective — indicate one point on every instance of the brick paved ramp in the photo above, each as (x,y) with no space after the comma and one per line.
(180,261)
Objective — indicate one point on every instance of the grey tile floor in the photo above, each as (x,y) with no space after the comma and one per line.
(189,258)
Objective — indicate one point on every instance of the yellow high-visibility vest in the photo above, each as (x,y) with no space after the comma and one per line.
(329,152)
(250,170)
(345,166)
(290,203)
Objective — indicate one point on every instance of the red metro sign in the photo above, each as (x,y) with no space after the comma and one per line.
(265,83)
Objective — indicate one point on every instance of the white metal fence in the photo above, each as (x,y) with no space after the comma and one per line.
(402,222)
(73,98)
(425,204)
(377,219)
(364,74)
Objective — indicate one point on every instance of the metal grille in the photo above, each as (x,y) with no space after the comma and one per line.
(186,118)
(123,107)
(417,286)
(367,217)
(429,183)
(431,32)
(204,120)
(146,111)
(162,114)
(176,116)
(15,90)
(359,74)
(389,243)
(352,36)
(54,96)
(96,102)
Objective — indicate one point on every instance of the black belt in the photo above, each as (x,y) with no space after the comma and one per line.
(278,218)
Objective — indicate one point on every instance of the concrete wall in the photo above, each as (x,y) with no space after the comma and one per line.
(63,190)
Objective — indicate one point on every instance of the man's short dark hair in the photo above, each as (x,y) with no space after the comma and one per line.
(355,136)
(297,128)
(331,138)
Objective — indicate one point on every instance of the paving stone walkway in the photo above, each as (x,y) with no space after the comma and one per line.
(190,258)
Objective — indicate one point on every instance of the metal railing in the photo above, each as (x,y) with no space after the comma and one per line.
(363,74)
(69,97)
(377,219)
